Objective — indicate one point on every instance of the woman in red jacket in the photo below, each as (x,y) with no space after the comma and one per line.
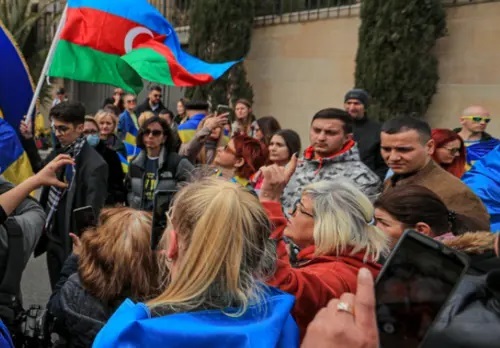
(330,235)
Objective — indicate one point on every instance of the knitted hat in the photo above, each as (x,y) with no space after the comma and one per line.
(359,94)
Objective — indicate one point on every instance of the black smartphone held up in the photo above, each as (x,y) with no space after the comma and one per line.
(415,282)
(161,203)
(84,218)
(225,109)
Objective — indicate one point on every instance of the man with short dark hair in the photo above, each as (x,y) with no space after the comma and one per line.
(153,103)
(407,147)
(87,183)
(333,153)
(366,132)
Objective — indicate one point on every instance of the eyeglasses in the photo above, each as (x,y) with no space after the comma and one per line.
(59,129)
(452,151)
(131,101)
(296,205)
(90,131)
(478,119)
(153,132)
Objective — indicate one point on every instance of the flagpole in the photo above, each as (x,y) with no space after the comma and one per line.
(46,65)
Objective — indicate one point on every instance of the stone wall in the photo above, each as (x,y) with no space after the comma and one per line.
(298,68)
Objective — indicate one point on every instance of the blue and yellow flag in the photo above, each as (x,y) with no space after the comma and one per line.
(478,150)
(16,92)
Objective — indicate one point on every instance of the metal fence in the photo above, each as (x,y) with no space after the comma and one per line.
(269,12)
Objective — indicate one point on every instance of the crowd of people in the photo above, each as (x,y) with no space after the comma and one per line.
(268,243)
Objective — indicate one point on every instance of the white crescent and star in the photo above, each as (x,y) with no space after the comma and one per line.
(132,34)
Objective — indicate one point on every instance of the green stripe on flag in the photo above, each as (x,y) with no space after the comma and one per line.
(150,64)
(86,64)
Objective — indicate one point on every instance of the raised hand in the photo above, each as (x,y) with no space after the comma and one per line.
(217,121)
(25,129)
(48,175)
(275,179)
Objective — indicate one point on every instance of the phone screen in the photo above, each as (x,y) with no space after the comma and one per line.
(84,218)
(414,284)
(161,204)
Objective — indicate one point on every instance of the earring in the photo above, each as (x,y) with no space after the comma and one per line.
(169,259)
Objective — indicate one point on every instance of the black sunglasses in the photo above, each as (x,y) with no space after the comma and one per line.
(153,132)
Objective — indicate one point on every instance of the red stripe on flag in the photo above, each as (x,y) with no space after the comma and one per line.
(99,30)
(106,32)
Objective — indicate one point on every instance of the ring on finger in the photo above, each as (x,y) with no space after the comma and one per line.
(344,307)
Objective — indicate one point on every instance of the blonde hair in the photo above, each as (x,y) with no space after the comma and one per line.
(146,115)
(104,113)
(344,219)
(222,141)
(116,259)
(224,248)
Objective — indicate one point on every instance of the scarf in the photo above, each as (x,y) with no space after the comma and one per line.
(55,193)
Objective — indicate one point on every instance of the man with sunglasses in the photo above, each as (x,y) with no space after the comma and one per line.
(153,103)
(86,183)
(474,121)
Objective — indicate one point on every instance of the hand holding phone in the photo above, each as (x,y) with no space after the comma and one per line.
(414,284)
(84,218)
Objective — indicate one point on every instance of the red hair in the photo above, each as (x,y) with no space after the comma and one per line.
(253,152)
(442,136)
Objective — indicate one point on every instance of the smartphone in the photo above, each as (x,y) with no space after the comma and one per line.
(412,287)
(223,109)
(84,218)
(161,204)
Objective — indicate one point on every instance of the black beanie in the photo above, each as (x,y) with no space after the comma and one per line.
(359,94)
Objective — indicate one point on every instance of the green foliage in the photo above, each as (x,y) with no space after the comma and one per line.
(395,62)
(21,18)
(220,30)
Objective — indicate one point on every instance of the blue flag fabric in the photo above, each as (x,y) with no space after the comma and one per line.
(268,324)
(479,150)
(16,86)
(484,180)
(16,92)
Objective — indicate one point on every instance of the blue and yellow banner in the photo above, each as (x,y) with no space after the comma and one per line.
(16,92)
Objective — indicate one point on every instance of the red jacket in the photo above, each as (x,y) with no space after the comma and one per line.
(316,279)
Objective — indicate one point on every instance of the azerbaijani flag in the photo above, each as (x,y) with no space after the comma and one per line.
(121,42)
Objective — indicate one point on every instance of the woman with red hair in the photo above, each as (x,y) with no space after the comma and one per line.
(240,159)
(450,151)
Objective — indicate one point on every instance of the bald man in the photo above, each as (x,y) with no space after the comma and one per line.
(474,121)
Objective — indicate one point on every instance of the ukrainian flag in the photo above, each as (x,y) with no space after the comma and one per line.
(16,92)
(187,130)
(130,146)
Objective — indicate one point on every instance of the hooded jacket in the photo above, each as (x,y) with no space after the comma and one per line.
(266,324)
(313,280)
(346,164)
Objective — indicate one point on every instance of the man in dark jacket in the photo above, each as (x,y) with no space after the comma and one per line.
(87,183)
(153,103)
(366,132)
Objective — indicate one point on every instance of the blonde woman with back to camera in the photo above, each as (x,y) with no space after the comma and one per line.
(217,255)
(329,237)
